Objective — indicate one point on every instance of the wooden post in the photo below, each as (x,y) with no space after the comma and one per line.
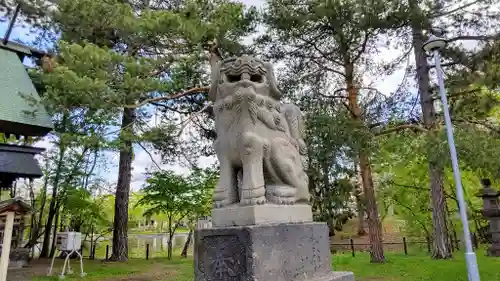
(457,242)
(147,251)
(352,248)
(475,241)
(428,244)
(7,238)
(107,252)
(405,247)
(92,254)
(452,243)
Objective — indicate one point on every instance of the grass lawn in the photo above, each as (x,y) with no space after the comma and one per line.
(133,270)
(416,267)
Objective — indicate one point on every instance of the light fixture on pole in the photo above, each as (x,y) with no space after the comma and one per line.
(433,45)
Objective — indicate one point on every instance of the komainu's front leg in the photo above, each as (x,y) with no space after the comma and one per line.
(225,192)
(252,155)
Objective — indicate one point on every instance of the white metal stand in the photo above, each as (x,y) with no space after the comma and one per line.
(67,261)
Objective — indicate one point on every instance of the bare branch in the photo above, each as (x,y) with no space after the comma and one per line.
(189,92)
(326,56)
(337,96)
(375,125)
(150,156)
(185,123)
(485,124)
(166,108)
(412,212)
(445,13)
(362,50)
(457,94)
(445,64)
(332,97)
(322,65)
(402,127)
(475,38)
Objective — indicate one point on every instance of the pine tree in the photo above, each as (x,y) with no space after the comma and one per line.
(117,56)
(327,44)
(421,17)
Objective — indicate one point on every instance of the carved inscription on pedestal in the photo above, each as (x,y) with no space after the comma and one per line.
(222,257)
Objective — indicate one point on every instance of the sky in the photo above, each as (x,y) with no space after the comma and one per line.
(142,161)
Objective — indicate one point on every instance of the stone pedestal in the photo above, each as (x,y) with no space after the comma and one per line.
(19,258)
(266,252)
(236,215)
(494,249)
(491,211)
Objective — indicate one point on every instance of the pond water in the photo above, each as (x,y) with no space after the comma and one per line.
(137,243)
(157,241)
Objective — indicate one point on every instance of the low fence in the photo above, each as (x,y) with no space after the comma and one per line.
(405,245)
(146,252)
(142,251)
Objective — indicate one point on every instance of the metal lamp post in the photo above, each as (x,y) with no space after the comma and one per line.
(433,45)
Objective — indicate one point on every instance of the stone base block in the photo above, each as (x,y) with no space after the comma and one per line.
(237,215)
(494,251)
(19,258)
(273,252)
(336,276)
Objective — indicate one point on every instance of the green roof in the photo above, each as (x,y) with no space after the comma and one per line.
(17,115)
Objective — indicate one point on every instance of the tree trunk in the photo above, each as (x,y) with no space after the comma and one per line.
(374,225)
(92,243)
(48,228)
(170,246)
(44,253)
(330,222)
(186,245)
(326,185)
(53,243)
(62,226)
(361,215)
(120,223)
(171,232)
(32,203)
(441,245)
(37,224)
(94,246)
(450,221)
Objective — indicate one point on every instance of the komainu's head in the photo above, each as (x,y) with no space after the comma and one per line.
(233,74)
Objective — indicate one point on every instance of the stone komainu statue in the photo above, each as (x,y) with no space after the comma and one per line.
(259,143)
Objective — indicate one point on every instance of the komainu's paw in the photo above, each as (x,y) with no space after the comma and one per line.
(220,204)
(281,194)
(282,200)
(254,201)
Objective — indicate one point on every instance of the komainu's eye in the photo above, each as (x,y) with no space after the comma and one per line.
(256,78)
(233,78)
